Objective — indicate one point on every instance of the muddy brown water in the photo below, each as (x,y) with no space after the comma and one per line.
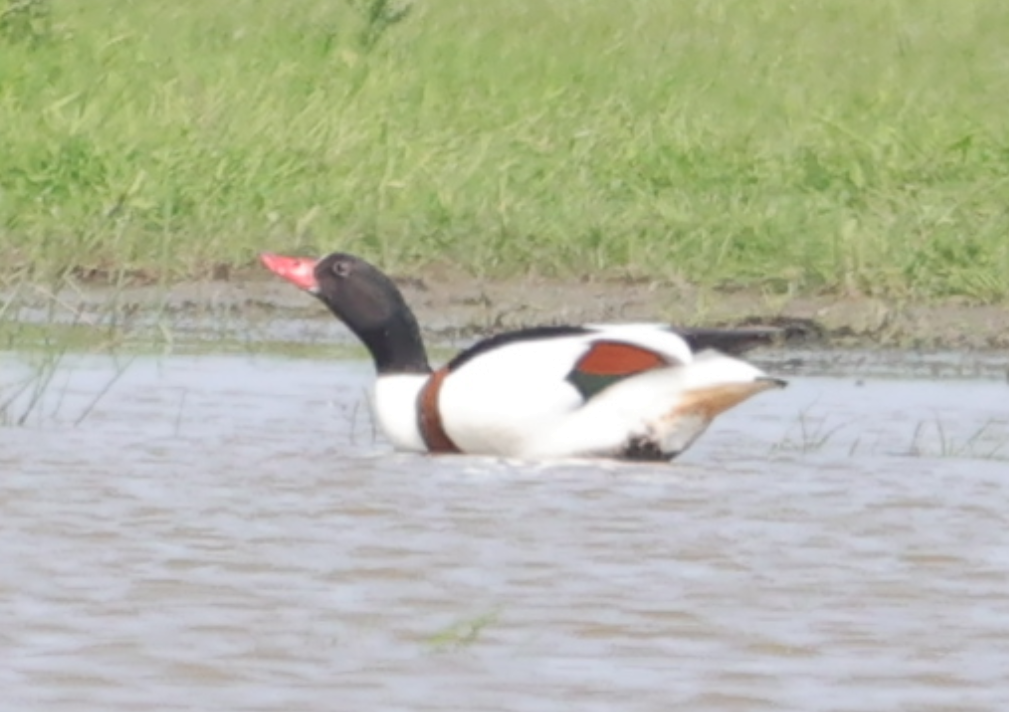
(227,532)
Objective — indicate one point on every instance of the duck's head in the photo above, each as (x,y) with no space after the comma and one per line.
(356,291)
(363,298)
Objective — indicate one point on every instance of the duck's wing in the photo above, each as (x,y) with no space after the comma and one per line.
(587,358)
(506,391)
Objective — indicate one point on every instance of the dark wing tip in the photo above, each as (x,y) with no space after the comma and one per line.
(731,341)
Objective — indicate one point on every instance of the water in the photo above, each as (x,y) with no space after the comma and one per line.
(228,533)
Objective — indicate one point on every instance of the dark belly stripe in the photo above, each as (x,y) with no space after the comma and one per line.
(429,415)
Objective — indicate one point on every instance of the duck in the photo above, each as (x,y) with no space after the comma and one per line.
(634,391)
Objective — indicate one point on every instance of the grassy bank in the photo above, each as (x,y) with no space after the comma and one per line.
(815,146)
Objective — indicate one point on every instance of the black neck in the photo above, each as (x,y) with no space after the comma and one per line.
(395,345)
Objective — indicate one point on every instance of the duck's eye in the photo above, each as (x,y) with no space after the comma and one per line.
(341,268)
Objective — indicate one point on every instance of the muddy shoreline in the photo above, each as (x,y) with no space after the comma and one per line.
(452,307)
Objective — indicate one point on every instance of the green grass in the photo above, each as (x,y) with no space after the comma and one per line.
(854,147)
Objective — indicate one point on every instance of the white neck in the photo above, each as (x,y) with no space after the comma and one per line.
(394,402)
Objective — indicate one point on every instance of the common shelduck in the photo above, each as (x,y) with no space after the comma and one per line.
(629,391)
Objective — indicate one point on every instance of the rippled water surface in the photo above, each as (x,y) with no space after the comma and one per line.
(195,533)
